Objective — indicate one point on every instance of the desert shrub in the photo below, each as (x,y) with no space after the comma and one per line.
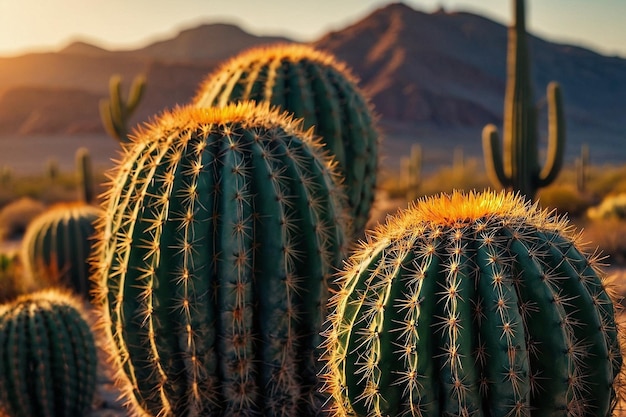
(446,179)
(609,236)
(15,216)
(11,284)
(565,199)
(612,207)
(63,188)
(606,180)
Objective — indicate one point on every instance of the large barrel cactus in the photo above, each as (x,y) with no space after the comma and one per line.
(222,229)
(57,245)
(472,305)
(312,85)
(47,357)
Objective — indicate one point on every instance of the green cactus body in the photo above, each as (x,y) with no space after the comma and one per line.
(222,228)
(47,357)
(519,168)
(116,112)
(52,170)
(582,168)
(412,171)
(472,305)
(85,176)
(313,86)
(56,246)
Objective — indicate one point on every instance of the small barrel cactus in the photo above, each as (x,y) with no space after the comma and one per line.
(222,229)
(57,244)
(472,304)
(611,207)
(314,86)
(48,357)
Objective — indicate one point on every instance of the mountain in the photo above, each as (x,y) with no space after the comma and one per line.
(36,111)
(435,78)
(205,43)
(447,71)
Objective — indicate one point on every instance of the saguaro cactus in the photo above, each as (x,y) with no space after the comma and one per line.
(56,247)
(84,172)
(312,85)
(519,168)
(411,167)
(47,357)
(472,304)
(582,168)
(222,228)
(115,112)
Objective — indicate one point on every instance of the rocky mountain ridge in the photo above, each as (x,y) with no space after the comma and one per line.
(427,74)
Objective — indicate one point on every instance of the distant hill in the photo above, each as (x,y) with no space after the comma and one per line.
(430,76)
(36,111)
(205,43)
(447,71)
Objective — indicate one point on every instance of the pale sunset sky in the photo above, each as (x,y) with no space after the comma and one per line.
(44,25)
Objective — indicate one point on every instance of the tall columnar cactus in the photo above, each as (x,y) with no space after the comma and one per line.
(57,246)
(519,167)
(582,168)
(412,171)
(47,357)
(222,228)
(473,304)
(312,85)
(84,171)
(52,170)
(116,112)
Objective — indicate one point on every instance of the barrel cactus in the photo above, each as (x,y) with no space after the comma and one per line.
(221,231)
(57,244)
(48,357)
(472,304)
(314,86)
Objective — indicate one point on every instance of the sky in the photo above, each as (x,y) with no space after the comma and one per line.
(44,25)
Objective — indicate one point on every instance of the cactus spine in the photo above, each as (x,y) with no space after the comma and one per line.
(85,176)
(314,86)
(116,112)
(476,304)
(518,168)
(47,357)
(56,246)
(223,226)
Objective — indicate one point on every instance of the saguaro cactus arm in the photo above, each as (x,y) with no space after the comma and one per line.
(493,157)
(116,112)
(556,138)
(84,172)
